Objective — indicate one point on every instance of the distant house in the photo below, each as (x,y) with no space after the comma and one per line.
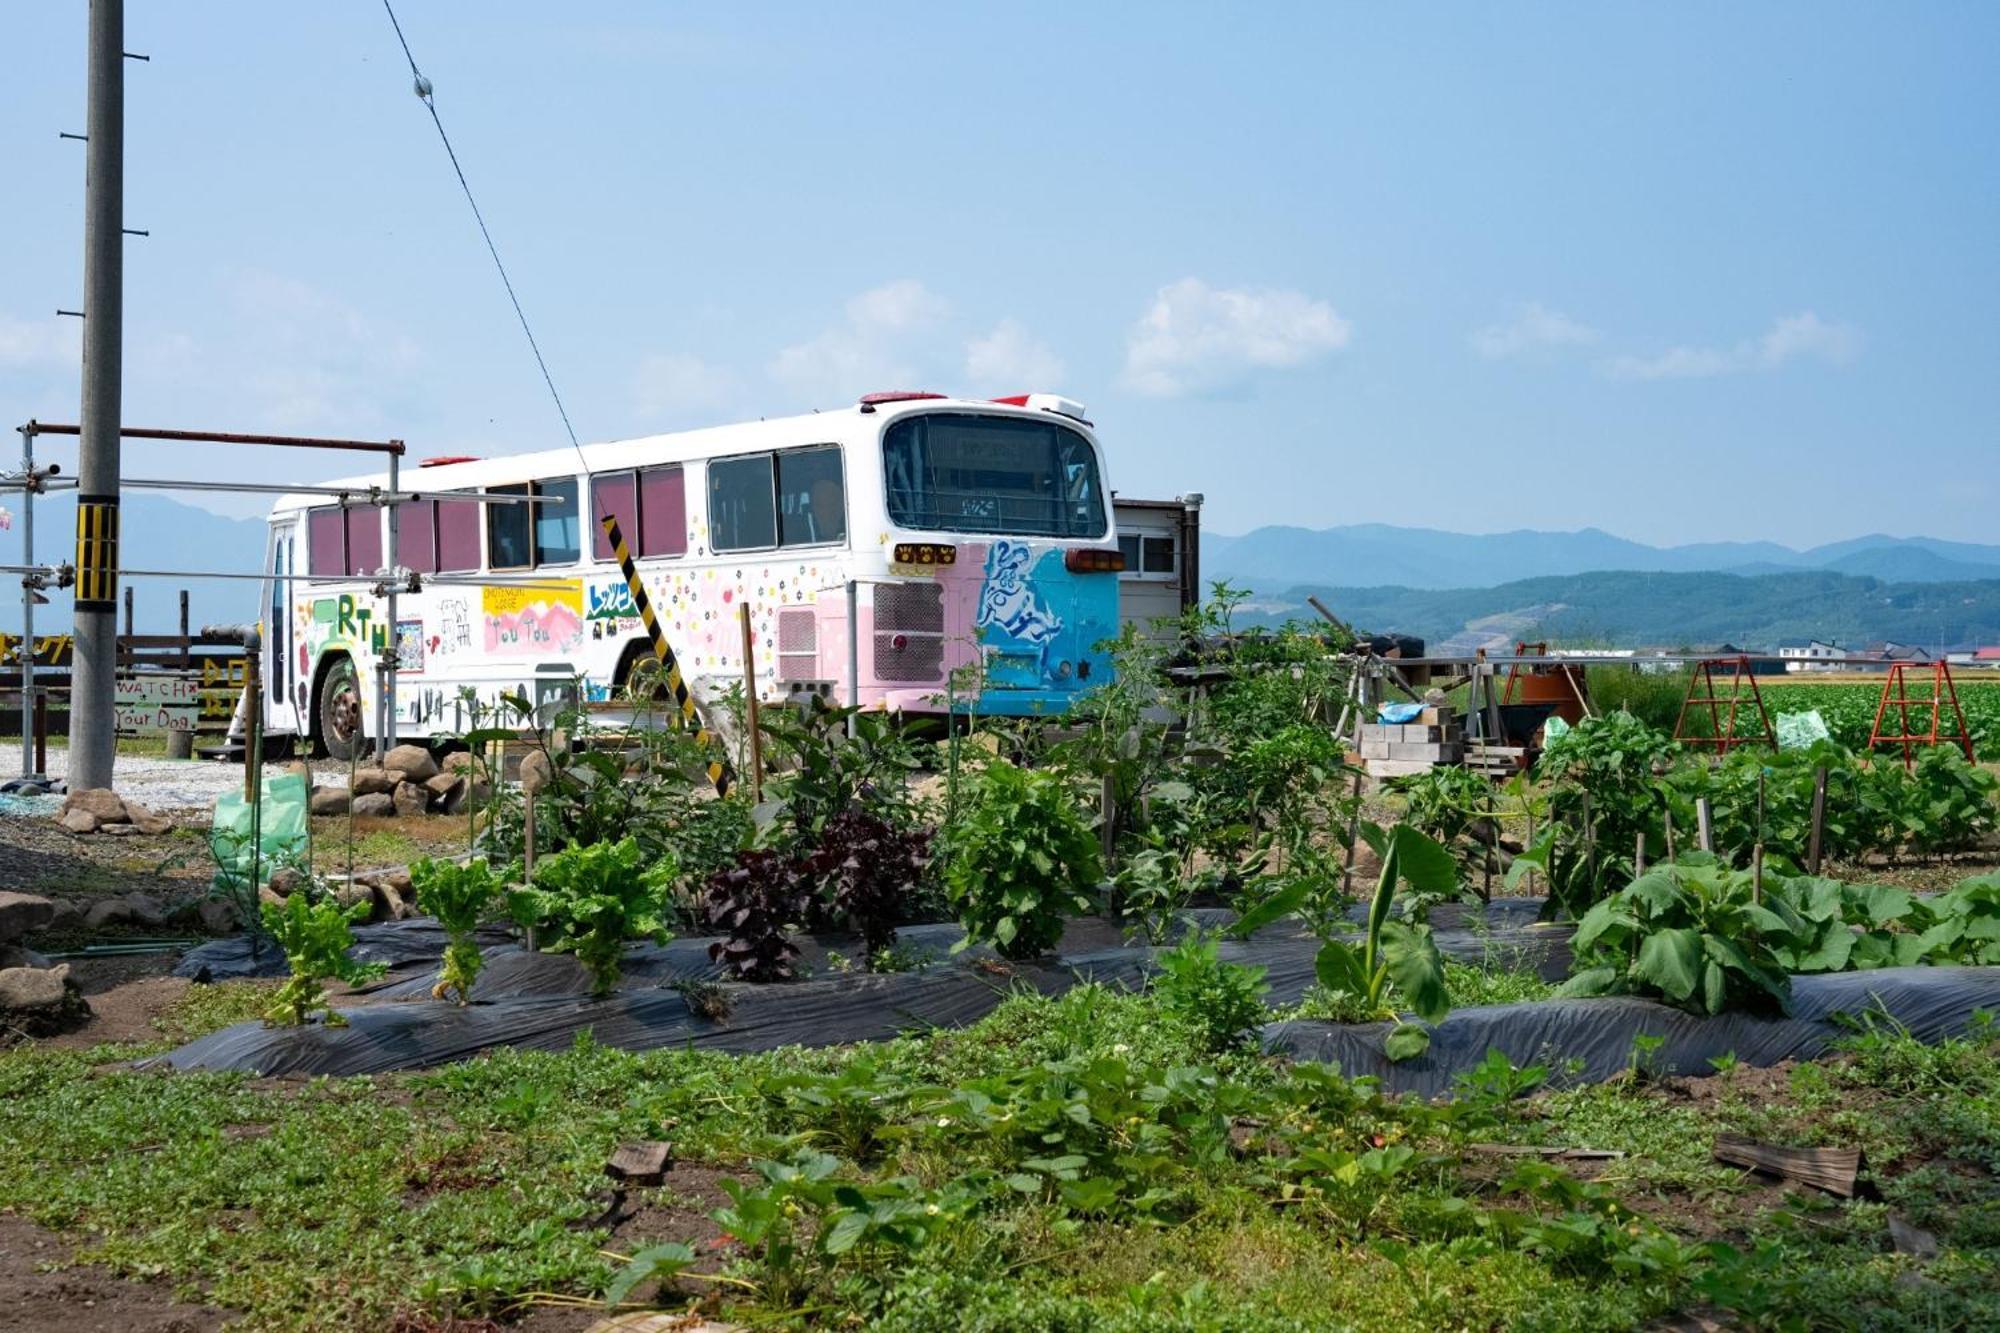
(1975,657)
(1810,655)
(1887,651)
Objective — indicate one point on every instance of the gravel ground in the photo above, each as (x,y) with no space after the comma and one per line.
(163,784)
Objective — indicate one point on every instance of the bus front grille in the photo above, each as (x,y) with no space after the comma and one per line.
(909,631)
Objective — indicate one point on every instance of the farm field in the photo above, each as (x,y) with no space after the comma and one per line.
(904,1048)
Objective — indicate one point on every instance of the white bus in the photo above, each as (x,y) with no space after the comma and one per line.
(974,533)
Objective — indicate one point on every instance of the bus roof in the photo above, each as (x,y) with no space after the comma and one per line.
(843,425)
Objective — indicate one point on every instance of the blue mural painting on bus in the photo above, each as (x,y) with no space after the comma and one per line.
(1038,621)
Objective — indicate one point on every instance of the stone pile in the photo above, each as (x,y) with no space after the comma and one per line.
(408,781)
(101,810)
(388,893)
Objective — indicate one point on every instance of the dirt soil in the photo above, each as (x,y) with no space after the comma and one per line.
(86,1298)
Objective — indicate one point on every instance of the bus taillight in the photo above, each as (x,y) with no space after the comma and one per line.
(925,553)
(1084,560)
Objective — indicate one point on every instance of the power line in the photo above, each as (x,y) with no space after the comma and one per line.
(423,91)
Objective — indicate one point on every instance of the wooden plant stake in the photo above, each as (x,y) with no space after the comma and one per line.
(1670,833)
(1818,820)
(750,703)
(1639,855)
(1704,831)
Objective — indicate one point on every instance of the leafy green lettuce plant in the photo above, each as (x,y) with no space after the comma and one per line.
(1019,860)
(315,936)
(459,896)
(592,899)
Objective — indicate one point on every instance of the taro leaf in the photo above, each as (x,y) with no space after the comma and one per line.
(1338,967)
(1610,912)
(655,1261)
(1424,865)
(1879,904)
(1405,1041)
(1280,904)
(1410,956)
(1589,982)
(1668,959)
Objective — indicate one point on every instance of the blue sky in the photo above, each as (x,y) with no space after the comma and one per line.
(1682,272)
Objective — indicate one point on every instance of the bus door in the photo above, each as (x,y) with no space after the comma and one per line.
(281,713)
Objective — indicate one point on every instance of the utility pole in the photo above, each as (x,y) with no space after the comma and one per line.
(93,725)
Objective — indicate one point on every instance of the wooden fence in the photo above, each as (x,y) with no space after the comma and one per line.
(210,673)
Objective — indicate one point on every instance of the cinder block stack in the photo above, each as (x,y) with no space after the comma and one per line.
(1395,749)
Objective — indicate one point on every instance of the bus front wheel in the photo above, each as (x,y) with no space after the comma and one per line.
(340,722)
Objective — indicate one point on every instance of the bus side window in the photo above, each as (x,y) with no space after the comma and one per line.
(458,535)
(509,531)
(663,515)
(812,501)
(742,513)
(558,536)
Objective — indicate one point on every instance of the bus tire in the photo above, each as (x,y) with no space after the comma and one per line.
(339,721)
(637,652)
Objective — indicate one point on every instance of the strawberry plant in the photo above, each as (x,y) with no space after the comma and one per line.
(589,900)
(459,896)
(315,936)
(1019,860)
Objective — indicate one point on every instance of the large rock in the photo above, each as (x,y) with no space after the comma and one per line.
(536,771)
(460,762)
(391,905)
(22,914)
(376,804)
(102,803)
(69,912)
(372,781)
(146,909)
(219,916)
(412,761)
(147,821)
(78,821)
(412,799)
(447,793)
(331,801)
(13,955)
(40,1001)
(107,912)
(352,892)
(286,879)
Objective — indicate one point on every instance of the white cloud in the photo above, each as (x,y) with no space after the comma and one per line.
(1195,338)
(1804,336)
(39,344)
(1534,328)
(675,384)
(878,346)
(1010,358)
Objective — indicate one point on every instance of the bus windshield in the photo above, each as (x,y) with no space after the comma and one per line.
(965,472)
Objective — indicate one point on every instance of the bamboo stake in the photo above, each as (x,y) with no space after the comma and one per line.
(1704,832)
(1818,821)
(750,696)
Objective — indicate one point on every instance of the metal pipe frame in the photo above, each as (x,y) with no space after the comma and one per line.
(392,447)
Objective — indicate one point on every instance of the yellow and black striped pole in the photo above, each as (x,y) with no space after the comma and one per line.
(719,771)
(97,552)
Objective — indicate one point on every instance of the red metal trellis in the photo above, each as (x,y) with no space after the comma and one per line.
(1895,690)
(1723,736)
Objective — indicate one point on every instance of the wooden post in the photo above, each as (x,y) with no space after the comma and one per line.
(1589,839)
(1353,834)
(1107,822)
(253,713)
(527,848)
(41,732)
(1757,873)
(128,623)
(750,715)
(1639,856)
(1704,834)
(1669,816)
(187,644)
(1818,821)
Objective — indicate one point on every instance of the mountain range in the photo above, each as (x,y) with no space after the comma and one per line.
(1382,555)
(154,533)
